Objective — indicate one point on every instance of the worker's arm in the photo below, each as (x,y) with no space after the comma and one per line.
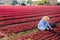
(48,25)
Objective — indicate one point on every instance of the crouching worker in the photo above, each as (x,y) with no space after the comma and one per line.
(44,24)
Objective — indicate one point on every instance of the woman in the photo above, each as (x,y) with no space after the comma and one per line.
(44,24)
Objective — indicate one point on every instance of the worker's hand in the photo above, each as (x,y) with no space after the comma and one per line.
(50,28)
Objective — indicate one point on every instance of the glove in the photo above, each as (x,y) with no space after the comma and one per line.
(50,28)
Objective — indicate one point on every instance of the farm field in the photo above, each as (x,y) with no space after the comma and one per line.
(20,22)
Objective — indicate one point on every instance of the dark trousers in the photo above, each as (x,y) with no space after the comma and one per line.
(53,25)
